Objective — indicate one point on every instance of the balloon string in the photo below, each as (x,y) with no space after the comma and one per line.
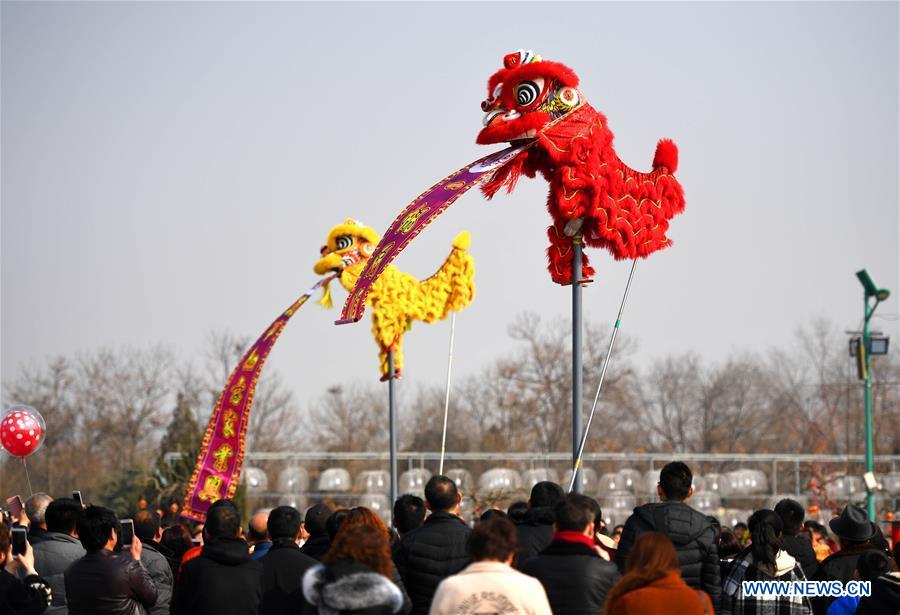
(27,478)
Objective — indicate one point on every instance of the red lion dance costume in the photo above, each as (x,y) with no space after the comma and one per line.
(536,106)
(592,192)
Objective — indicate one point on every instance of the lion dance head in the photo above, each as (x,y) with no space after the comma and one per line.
(348,247)
(524,96)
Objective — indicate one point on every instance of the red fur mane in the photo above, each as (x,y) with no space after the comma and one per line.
(624,211)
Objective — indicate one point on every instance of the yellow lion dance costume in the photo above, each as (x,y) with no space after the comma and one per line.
(397,298)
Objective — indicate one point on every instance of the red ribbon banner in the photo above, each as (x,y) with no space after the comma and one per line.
(222,450)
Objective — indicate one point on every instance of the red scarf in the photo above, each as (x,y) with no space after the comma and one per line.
(573,536)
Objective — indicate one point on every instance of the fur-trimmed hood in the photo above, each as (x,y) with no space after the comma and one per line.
(350,587)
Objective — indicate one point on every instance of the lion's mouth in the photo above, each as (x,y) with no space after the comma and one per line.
(512,128)
(346,261)
(526,137)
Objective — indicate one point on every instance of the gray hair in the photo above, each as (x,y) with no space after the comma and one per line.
(36,508)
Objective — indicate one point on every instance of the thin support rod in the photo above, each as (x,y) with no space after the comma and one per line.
(612,342)
(577,362)
(392,426)
(447,395)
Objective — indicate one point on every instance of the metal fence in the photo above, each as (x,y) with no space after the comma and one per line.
(728,486)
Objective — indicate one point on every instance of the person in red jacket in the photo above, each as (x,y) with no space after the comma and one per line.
(652,584)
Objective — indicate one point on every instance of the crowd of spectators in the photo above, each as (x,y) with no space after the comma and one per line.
(551,554)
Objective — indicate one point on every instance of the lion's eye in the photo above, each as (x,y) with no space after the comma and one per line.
(528,91)
(343,242)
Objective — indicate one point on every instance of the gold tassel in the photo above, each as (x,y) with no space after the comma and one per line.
(325,301)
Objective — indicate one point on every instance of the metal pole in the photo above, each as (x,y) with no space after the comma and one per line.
(392,420)
(612,342)
(577,374)
(447,395)
(870,462)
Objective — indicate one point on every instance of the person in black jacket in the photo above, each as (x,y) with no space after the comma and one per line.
(517,511)
(223,578)
(885,597)
(316,546)
(284,565)
(29,595)
(155,558)
(59,549)
(437,549)
(571,570)
(104,582)
(795,541)
(536,529)
(855,533)
(689,530)
(409,513)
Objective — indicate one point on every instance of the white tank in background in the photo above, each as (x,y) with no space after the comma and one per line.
(890,483)
(255,479)
(293,479)
(648,484)
(712,482)
(630,479)
(378,503)
(589,482)
(617,507)
(298,501)
(499,480)
(334,480)
(373,481)
(536,475)
(707,502)
(414,481)
(463,479)
(842,489)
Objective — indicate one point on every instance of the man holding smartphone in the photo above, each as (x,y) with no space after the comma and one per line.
(29,595)
(59,549)
(104,582)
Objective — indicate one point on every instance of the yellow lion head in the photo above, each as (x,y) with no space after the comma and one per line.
(346,251)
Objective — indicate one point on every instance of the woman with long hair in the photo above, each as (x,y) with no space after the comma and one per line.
(652,584)
(765,560)
(361,515)
(354,576)
(366,517)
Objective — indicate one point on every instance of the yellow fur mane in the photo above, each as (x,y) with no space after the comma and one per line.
(397,299)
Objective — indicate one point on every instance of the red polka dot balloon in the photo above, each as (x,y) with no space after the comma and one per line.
(22,430)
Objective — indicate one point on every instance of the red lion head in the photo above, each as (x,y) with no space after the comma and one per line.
(525,95)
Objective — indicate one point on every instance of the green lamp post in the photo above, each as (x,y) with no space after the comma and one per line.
(878,294)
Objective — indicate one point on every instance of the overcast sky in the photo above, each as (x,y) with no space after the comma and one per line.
(170,169)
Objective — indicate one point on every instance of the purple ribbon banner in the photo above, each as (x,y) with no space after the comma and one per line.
(222,450)
(415,217)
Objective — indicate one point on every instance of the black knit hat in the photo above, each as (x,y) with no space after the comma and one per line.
(853,524)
